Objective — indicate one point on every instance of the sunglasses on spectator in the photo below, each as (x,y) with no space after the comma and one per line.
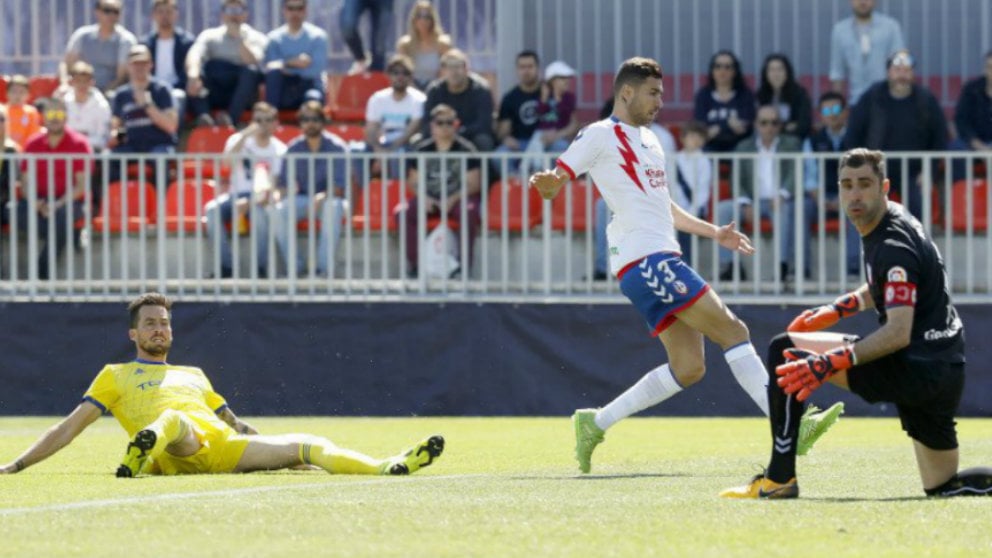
(296,7)
(769,122)
(425,15)
(55,114)
(399,72)
(265,119)
(233,10)
(723,66)
(443,121)
(832,110)
(311,120)
(110,11)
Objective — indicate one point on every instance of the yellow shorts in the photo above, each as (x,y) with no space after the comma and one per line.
(221,450)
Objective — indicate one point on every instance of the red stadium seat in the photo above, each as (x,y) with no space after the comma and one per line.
(124,203)
(3,89)
(581,202)
(371,200)
(183,213)
(206,139)
(42,86)
(516,194)
(353,94)
(348,132)
(287,133)
(979,208)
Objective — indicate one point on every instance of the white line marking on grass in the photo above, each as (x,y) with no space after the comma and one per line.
(216,493)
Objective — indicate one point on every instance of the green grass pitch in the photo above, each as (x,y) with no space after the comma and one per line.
(504,487)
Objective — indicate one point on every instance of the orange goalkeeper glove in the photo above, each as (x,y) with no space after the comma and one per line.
(825,316)
(806,371)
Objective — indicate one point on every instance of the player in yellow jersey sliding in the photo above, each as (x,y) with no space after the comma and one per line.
(178,424)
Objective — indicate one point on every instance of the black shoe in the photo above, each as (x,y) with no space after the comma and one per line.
(137,453)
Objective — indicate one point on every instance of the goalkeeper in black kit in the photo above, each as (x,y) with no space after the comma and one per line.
(915,359)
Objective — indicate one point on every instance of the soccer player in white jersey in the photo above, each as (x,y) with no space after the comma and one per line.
(627,164)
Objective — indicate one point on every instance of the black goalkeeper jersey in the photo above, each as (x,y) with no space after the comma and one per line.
(905,268)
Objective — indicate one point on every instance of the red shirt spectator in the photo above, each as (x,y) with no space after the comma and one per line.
(71,142)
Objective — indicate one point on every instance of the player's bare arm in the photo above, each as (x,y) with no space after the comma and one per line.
(239,426)
(56,438)
(894,335)
(727,235)
(549,182)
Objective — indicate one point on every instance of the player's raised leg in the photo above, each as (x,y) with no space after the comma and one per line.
(172,431)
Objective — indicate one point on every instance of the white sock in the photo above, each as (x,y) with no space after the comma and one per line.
(750,373)
(655,387)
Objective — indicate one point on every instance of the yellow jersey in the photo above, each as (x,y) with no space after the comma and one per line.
(137,392)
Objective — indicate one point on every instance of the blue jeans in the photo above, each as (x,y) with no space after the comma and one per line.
(61,218)
(220,211)
(381,12)
(601,257)
(230,87)
(725,214)
(288,91)
(330,213)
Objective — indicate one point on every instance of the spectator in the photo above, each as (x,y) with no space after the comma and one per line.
(973,116)
(103,45)
(169,44)
(693,180)
(143,113)
(9,177)
(451,182)
(381,14)
(780,89)
(424,43)
(518,108)
(468,95)
(725,104)
(557,122)
(830,139)
(897,115)
(392,115)
(602,215)
(859,47)
(23,120)
(59,196)
(295,59)
(769,183)
(87,111)
(223,67)
(256,164)
(318,174)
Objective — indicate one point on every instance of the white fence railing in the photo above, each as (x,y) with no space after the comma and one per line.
(144,234)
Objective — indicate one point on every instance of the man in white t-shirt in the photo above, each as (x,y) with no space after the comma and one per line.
(256,157)
(103,45)
(393,114)
(169,45)
(86,109)
(627,164)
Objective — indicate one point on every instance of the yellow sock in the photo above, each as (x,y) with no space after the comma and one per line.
(170,426)
(339,461)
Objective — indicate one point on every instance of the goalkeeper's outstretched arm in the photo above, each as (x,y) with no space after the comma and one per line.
(57,437)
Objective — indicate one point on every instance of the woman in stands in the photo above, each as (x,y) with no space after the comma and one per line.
(424,42)
(725,104)
(780,89)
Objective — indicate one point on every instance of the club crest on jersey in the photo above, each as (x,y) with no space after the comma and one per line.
(896,275)
(680,287)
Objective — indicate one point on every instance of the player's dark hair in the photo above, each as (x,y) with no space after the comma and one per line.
(860,156)
(528,54)
(147,299)
(833,96)
(634,71)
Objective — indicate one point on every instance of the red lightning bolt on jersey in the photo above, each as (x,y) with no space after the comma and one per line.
(629,158)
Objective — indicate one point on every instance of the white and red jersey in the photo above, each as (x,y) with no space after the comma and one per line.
(627,164)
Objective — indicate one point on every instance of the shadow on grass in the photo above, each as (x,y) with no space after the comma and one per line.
(623,476)
(856,500)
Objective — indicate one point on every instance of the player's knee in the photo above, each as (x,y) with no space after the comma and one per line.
(688,373)
(778,344)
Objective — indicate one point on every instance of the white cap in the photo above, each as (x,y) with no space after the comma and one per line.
(558,69)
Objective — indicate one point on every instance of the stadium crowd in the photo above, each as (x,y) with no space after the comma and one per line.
(130,96)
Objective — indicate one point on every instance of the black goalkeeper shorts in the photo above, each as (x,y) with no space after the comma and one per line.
(925,392)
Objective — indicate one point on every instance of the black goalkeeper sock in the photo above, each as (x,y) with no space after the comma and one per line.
(785,414)
(976,481)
